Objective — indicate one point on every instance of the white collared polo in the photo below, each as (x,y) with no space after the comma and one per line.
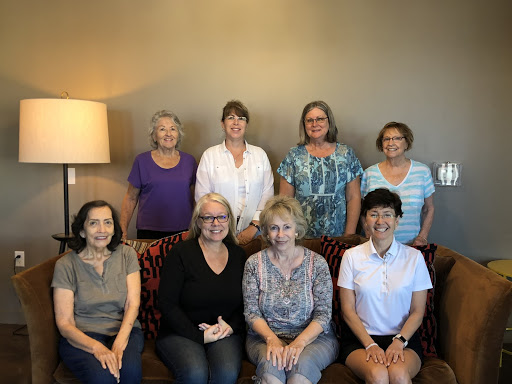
(383,285)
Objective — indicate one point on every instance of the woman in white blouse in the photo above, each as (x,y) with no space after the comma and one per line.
(237,170)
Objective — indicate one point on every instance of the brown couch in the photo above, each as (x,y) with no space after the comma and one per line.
(472,306)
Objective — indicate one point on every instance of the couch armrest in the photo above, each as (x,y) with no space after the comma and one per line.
(33,287)
(474,308)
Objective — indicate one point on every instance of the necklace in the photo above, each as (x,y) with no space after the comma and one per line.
(235,158)
(288,275)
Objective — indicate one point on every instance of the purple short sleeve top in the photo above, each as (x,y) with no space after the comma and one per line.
(165,199)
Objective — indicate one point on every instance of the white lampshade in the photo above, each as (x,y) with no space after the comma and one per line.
(63,131)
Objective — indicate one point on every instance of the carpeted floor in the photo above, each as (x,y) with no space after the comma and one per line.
(15,357)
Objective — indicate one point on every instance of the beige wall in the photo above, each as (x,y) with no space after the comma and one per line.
(443,67)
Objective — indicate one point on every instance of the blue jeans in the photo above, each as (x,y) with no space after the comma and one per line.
(89,370)
(194,363)
(314,358)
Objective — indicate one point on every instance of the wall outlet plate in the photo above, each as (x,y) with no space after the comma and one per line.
(19,258)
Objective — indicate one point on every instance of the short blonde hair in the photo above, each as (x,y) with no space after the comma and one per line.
(283,206)
(194,229)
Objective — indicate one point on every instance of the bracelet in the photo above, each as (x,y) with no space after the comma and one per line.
(371,345)
(424,238)
(255,225)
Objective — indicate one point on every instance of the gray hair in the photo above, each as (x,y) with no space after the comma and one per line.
(333,130)
(154,121)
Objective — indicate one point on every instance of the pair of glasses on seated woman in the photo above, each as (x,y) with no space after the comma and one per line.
(211,219)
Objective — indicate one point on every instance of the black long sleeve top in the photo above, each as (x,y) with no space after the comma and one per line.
(190,293)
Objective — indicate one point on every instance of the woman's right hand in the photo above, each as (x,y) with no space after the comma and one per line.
(212,334)
(275,349)
(107,359)
(377,354)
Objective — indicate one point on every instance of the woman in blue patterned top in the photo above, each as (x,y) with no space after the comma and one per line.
(411,179)
(323,175)
(287,293)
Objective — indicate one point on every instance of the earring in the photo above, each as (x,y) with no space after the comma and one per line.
(296,234)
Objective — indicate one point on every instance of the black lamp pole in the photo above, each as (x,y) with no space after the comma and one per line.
(64,237)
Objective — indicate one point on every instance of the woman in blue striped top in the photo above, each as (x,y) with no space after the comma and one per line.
(412,181)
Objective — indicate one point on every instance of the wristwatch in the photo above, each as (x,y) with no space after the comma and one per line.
(255,225)
(402,339)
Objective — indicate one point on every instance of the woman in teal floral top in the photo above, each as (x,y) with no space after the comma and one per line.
(323,175)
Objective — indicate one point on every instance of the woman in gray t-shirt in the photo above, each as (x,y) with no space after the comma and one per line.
(96,298)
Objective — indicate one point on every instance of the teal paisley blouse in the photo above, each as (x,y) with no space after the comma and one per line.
(320,184)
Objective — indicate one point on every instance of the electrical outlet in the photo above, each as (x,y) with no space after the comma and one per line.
(19,257)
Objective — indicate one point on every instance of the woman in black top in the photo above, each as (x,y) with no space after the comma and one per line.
(200,297)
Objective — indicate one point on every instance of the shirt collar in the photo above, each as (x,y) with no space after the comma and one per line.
(224,148)
(392,251)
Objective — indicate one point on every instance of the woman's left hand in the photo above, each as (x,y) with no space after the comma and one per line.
(292,352)
(118,348)
(419,240)
(224,327)
(395,351)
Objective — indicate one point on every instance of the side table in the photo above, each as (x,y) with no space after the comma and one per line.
(503,268)
(63,238)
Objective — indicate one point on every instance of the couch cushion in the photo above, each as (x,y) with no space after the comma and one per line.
(428,327)
(151,261)
(140,246)
(333,251)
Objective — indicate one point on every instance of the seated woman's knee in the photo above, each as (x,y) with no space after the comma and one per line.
(377,374)
(399,375)
(298,379)
(197,375)
(268,378)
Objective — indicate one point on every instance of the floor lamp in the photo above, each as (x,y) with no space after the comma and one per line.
(64,131)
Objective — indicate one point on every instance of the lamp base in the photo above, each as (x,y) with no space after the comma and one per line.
(63,238)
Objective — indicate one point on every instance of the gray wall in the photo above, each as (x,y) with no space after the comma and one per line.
(444,67)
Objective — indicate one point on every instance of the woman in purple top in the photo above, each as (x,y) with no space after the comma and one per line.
(161,182)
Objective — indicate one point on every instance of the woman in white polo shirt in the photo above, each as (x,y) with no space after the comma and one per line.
(238,171)
(383,291)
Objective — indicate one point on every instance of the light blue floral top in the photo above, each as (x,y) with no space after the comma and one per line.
(320,184)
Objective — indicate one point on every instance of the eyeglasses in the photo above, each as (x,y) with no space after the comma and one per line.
(211,219)
(233,118)
(396,138)
(384,216)
(319,120)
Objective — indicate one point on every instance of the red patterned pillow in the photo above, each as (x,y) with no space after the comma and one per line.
(428,327)
(333,251)
(151,262)
(139,246)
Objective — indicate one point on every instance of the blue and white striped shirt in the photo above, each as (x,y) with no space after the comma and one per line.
(413,190)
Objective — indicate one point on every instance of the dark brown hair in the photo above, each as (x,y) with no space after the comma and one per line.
(78,243)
